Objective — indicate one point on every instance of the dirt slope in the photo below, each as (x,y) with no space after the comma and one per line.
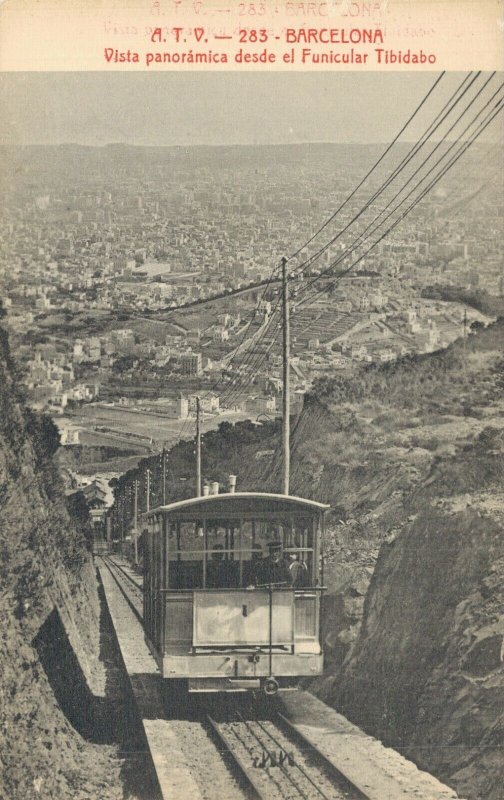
(50,677)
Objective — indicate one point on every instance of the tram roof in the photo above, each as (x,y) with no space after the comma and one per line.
(251,500)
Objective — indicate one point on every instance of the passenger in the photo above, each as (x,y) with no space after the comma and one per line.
(299,571)
(274,568)
(219,574)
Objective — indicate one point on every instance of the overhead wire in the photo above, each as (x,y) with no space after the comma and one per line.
(417,170)
(464,146)
(361,182)
(373,168)
(447,108)
(360,240)
(462,149)
(440,117)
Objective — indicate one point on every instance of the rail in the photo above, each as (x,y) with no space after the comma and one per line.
(276,761)
(134,593)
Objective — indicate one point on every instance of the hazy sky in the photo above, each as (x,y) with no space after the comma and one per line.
(166,108)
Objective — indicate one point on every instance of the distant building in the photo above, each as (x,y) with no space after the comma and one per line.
(265,307)
(68,434)
(98,499)
(182,407)
(209,403)
(93,389)
(220,334)
(123,335)
(260,405)
(190,363)
(194,336)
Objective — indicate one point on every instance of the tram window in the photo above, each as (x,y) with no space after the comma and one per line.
(185,555)
(299,548)
(271,530)
(223,535)
(190,537)
(222,554)
(250,543)
(301,534)
(222,564)
(251,551)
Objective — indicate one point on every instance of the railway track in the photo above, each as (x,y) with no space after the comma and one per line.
(268,755)
(130,587)
(229,747)
(275,760)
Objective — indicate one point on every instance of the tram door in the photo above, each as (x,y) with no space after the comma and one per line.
(157,587)
(150,603)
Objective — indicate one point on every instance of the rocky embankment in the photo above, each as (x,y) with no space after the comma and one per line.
(51,681)
(426,672)
(410,456)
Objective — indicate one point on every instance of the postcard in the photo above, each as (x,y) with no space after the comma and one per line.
(251,410)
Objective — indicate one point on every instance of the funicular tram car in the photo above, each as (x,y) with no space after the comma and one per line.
(215,613)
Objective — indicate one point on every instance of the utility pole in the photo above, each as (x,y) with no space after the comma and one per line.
(123,503)
(286,379)
(465,335)
(136,522)
(164,476)
(198,448)
(148,490)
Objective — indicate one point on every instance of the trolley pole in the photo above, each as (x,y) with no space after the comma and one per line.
(286,379)
(136,522)
(147,474)
(164,476)
(198,447)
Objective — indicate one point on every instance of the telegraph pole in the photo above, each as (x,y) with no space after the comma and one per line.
(465,338)
(136,522)
(164,476)
(198,448)
(286,379)
(123,503)
(148,490)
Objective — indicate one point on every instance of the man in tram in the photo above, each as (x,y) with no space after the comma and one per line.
(299,571)
(274,568)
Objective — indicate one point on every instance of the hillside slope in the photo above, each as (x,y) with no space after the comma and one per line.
(50,677)
(411,458)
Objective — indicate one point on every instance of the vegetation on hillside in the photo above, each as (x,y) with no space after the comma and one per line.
(477,298)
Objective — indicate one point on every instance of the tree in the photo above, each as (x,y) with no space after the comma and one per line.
(78,510)
(45,435)
(476,325)
(124,363)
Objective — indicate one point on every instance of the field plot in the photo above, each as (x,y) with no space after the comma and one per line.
(102,425)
